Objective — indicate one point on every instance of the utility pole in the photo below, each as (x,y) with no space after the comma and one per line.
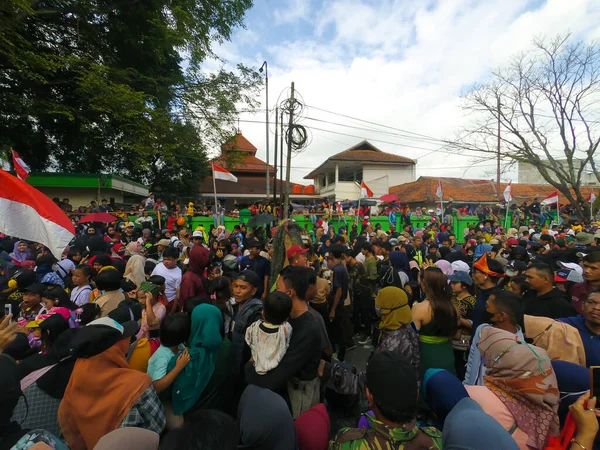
(286,203)
(498,165)
(275,165)
(266,66)
(281,155)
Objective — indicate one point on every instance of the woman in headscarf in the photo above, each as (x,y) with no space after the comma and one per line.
(444,266)
(134,270)
(193,282)
(265,421)
(205,381)
(313,428)
(521,390)
(104,393)
(396,335)
(44,377)
(20,253)
(134,248)
(12,435)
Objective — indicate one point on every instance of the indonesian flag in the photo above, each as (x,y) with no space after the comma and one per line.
(365,192)
(591,198)
(29,214)
(551,199)
(438,191)
(223,174)
(21,168)
(508,192)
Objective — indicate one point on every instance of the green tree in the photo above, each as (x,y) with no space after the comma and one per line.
(102,86)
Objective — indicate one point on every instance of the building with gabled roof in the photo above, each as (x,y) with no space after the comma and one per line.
(238,156)
(339,177)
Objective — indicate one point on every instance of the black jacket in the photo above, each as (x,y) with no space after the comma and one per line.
(554,305)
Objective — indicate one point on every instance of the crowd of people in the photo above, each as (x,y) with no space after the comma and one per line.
(140,337)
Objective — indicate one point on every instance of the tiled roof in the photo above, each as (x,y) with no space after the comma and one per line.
(467,190)
(366,152)
(239,143)
(247,163)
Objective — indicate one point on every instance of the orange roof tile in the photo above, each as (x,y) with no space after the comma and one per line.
(247,163)
(469,190)
(239,143)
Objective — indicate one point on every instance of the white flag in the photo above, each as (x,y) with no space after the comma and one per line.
(508,192)
(438,191)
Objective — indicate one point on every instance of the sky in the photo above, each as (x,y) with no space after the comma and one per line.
(400,65)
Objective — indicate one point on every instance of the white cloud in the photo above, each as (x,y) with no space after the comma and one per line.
(295,10)
(405,64)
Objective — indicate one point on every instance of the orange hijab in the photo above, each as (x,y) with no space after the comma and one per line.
(100,393)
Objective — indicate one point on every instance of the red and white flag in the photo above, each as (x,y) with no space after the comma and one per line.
(591,198)
(29,214)
(551,199)
(508,192)
(365,192)
(223,174)
(21,168)
(438,191)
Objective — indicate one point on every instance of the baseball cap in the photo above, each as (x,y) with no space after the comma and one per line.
(36,288)
(460,266)
(295,250)
(164,242)
(395,241)
(512,242)
(560,242)
(128,224)
(249,276)
(462,277)
(392,381)
(513,267)
(564,275)
(197,234)
(571,266)
(402,238)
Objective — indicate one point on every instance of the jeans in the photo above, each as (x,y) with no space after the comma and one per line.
(543,217)
(340,220)
(222,219)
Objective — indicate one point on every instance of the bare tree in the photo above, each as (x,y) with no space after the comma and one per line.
(545,102)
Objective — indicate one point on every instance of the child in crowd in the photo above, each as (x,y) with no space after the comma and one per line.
(174,333)
(81,276)
(153,311)
(32,304)
(87,313)
(269,338)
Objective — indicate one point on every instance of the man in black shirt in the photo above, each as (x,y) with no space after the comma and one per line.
(297,370)
(543,299)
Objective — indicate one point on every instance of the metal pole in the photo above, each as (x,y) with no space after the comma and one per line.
(266,66)
(286,203)
(275,165)
(498,165)
(281,155)
(215,191)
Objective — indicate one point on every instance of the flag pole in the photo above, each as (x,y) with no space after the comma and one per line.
(217,215)
(358,208)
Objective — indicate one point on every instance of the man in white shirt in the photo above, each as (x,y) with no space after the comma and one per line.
(172,274)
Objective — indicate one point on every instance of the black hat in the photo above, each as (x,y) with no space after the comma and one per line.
(99,335)
(252,243)
(46,260)
(36,288)
(392,380)
(248,276)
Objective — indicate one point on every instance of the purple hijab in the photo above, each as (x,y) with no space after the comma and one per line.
(19,256)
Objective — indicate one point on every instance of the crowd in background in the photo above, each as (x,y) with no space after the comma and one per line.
(141,336)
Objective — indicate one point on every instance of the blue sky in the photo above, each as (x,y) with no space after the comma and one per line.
(398,63)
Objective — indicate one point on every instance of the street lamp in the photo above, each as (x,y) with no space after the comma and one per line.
(266,68)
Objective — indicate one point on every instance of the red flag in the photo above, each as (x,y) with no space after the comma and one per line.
(21,168)
(365,192)
(551,199)
(223,174)
(29,214)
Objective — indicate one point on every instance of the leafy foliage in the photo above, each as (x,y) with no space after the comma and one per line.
(102,86)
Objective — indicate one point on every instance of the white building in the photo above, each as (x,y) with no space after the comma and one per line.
(529,174)
(339,177)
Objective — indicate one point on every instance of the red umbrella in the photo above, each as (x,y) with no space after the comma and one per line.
(389,198)
(98,217)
